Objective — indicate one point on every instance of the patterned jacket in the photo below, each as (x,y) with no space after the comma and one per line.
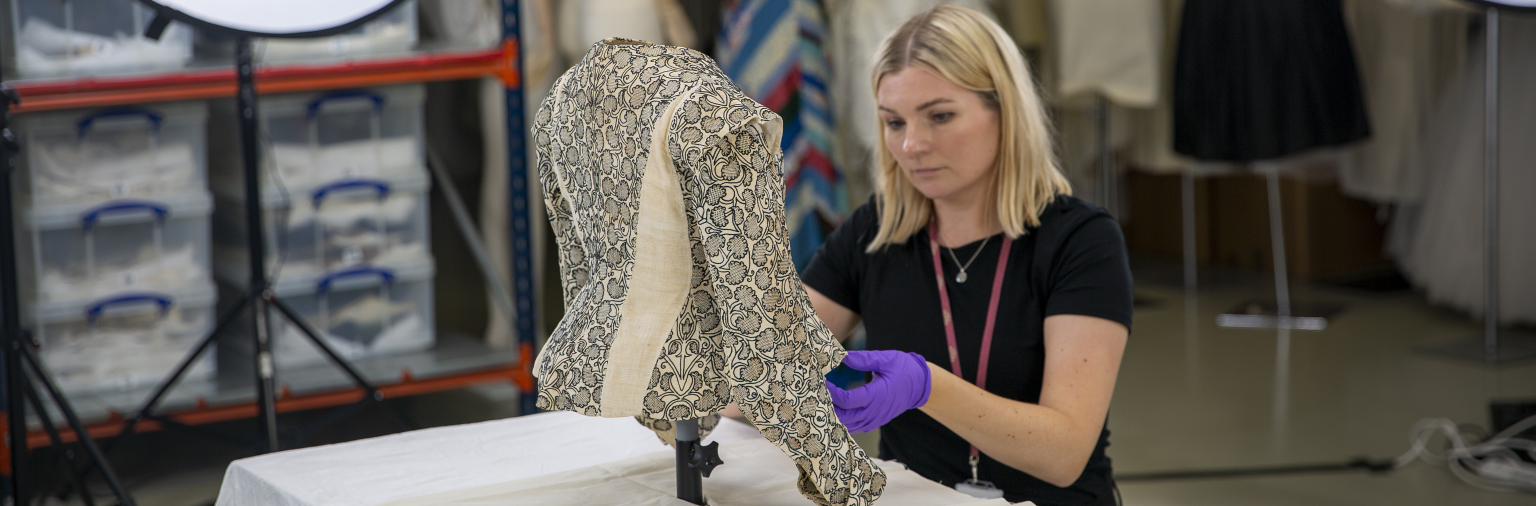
(664,187)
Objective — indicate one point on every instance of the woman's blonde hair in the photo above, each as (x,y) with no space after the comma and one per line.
(972,51)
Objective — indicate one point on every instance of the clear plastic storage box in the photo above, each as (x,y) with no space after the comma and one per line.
(317,229)
(317,138)
(93,155)
(124,340)
(61,38)
(86,251)
(344,182)
(393,32)
(363,311)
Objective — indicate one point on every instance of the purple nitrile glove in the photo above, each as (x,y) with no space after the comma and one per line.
(902,382)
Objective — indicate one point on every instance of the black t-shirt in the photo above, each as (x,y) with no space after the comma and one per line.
(1073,263)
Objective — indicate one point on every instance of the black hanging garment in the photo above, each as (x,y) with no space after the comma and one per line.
(1259,79)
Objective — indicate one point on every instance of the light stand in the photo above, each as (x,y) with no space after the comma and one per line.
(23,369)
(258,296)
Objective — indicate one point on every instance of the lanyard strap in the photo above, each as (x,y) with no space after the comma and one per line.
(949,321)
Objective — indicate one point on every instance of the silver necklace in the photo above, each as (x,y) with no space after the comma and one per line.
(961,277)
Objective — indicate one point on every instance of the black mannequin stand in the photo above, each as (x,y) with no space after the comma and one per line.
(694,461)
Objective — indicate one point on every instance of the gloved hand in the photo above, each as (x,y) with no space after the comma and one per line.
(902,382)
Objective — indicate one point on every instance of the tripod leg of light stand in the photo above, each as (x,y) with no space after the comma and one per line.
(149,405)
(10,307)
(372,392)
(74,474)
(74,423)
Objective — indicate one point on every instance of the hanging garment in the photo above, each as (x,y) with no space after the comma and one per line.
(1110,48)
(1150,148)
(1260,79)
(1436,234)
(772,49)
(1407,55)
(666,194)
(1099,48)
(582,22)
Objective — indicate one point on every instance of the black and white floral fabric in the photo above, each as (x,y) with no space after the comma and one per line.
(666,194)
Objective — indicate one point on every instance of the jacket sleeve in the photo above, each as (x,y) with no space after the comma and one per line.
(726,149)
(572,256)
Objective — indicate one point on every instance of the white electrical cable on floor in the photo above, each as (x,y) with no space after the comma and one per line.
(1491,464)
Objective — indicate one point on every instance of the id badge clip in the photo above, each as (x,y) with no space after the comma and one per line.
(978,488)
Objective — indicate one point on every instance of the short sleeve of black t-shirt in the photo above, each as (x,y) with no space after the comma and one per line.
(1073,263)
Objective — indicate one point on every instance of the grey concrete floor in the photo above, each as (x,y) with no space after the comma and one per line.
(1191,396)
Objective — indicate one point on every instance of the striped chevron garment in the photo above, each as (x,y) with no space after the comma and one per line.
(773,51)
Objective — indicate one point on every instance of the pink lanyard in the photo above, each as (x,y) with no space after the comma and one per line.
(949,322)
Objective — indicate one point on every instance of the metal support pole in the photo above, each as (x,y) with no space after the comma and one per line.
(1284,317)
(99,458)
(501,299)
(517,175)
(1191,285)
(10,311)
(690,485)
(1187,181)
(250,147)
(147,409)
(1109,197)
(1489,349)
(1491,192)
(1277,244)
(76,476)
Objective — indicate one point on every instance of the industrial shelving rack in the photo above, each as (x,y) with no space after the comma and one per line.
(454,363)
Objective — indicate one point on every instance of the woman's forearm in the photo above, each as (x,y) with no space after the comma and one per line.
(1038,440)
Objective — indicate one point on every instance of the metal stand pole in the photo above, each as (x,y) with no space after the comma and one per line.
(1282,307)
(1187,181)
(690,485)
(1284,315)
(1491,193)
(10,311)
(100,459)
(16,344)
(1191,285)
(1490,350)
(76,477)
(250,150)
(1277,245)
(501,298)
(694,461)
(1108,184)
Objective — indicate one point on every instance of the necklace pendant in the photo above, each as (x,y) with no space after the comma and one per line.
(960,278)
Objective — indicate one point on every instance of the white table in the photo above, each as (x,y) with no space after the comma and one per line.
(449,460)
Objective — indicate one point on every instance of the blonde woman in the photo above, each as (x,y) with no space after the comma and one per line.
(974,255)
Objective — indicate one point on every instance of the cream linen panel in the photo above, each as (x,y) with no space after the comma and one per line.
(666,194)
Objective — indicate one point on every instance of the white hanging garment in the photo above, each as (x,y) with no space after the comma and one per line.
(1407,54)
(1437,234)
(1110,48)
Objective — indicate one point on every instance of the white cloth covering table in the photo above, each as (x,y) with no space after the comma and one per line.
(378,471)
